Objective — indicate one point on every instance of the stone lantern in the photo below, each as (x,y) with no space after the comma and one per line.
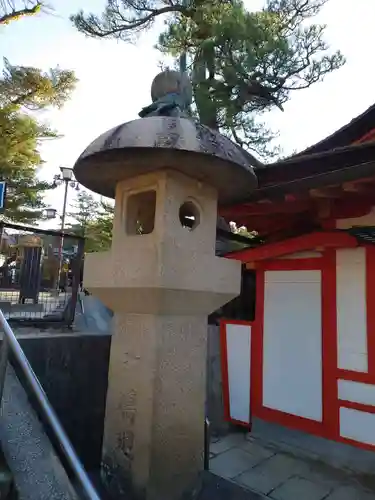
(162,279)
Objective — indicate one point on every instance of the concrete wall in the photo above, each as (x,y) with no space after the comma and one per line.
(73,370)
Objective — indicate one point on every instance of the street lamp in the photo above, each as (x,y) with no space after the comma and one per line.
(66,176)
(50,213)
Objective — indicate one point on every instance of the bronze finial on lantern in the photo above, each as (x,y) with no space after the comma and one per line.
(171,94)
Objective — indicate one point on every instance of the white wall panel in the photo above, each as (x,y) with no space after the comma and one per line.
(293,277)
(357,392)
(292,363)
(351,309)
(357,425)
(238,339)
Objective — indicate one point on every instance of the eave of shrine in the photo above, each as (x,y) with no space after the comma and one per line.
(310,189)
(318,240)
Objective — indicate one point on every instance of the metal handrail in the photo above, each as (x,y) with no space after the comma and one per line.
(11,344)
(206,451)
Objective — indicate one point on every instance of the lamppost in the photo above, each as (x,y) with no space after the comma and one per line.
(49,213)
(66,176)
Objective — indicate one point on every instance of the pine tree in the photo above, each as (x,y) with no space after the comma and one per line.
(242,63)
(22,91)
(93,220)
(27,89)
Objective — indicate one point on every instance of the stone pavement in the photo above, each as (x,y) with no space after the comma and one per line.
(280,475)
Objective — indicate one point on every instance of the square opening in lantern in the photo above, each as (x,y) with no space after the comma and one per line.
(140,213)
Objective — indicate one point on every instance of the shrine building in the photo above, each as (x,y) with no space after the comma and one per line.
(307,359)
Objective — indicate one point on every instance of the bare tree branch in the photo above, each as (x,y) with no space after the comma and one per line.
(115,24)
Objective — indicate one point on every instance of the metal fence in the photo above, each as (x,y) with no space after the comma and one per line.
(40,274)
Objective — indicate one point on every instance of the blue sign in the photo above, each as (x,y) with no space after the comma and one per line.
(3,185)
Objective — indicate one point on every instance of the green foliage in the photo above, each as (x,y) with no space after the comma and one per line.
(34,89)
(85,211)
(242,63)
(92,220)
(24,89)
(12,10)
(242,231)
(100,232)
(21,133)
(19,158)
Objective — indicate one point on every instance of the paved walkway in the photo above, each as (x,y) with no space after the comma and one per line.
(280,475)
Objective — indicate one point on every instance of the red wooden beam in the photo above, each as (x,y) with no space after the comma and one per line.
(352,204)
(268,222)
(363,188)
(333,239)
(370,136)
(268,225)
(255,209)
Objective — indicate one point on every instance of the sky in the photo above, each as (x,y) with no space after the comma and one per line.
(115,78)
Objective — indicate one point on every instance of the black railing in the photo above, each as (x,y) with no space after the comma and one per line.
(36,283)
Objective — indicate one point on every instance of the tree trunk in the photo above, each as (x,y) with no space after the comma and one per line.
(207,109)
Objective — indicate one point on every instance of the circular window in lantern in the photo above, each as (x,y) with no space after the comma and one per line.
(189,215)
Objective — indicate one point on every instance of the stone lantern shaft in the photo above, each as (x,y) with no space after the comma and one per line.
(162,279)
